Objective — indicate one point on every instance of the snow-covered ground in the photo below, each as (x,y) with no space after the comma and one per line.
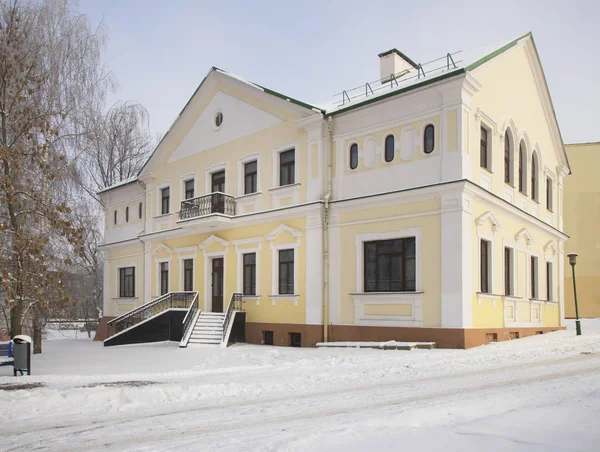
(538,393)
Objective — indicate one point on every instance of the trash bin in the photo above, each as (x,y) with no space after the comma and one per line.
(22,354)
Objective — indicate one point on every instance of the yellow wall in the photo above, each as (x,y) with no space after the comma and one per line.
(262,142)
(512,100)
(582,224)
(429,250)
(124,257)
(284,310)
(486,312)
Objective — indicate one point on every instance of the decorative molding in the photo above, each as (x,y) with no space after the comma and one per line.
(162,246)
(488,216)
(211,240)
(524,233)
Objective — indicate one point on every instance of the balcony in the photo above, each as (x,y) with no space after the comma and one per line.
(206,205)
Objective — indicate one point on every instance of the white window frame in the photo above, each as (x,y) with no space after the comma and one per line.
(513,273)
(359,241)
(396,148)
(537,282)
(491,287)
(278,150)
(422,138)
(358,156)
(241,173)
(222,166)
(182,258)
(158,262)
(551,262)
(275,274)
(490,146)
(117,293)
(240,271)
(159,189)
(183,180)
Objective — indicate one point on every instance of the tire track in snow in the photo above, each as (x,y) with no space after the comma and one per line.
(217,419)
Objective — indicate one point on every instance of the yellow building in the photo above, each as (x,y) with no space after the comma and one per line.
(427,206)
(582,222)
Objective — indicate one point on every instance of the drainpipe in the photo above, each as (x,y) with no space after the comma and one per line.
(326,233)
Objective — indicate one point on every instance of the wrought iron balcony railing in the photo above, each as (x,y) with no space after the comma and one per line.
(205,205)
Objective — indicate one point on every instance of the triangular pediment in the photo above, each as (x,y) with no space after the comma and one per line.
(213,239)
(239,119)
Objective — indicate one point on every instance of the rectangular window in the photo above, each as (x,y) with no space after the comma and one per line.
(549,296)
(485,266)
(389,265)
(508,271)
(188,275)
(483,149)
(249,274)
(287,167)
(165,195)
(218,181)
(286,271)
(189,189)
(268,338)
(549,200)
(534,277)
(250,177)
(127,282)
(164,278)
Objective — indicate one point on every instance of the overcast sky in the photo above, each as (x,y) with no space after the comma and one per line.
(161,50)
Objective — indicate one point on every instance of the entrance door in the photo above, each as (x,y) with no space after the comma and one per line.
(217,284)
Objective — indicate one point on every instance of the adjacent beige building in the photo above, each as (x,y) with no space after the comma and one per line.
(582,223)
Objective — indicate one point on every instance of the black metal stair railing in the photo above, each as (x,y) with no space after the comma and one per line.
(180,300)
(235,304)
(190,316)
(207,204)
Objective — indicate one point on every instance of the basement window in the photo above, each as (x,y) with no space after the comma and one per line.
(268,338)
(295,339)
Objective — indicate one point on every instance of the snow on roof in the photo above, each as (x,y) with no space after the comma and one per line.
(119,184)
(435,69)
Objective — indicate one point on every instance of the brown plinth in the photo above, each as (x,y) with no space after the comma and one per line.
(102,331)
(443,337)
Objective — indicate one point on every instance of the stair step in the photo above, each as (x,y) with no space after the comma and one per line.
(207,336)
(207,329)
(209,322)
(205,341)
(212,314)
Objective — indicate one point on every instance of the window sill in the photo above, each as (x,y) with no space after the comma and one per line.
(512,298)
(387,293)
(248,195)
(489,171)
(162,215)
(537,201)
(283,187)
(284,297)
(489,295)
(125,298)
(509,184)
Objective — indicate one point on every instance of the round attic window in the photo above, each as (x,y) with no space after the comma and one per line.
(218,122)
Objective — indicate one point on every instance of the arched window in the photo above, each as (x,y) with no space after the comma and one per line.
(522,168)
(140,211)
(534,177)
(429,139)
(390,148)
(115,217)
(126,214)
(508,170)
(354,156)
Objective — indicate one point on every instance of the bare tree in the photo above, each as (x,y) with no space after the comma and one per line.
(50,76)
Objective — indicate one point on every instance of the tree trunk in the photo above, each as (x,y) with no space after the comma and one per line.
(37,334)
(15,320)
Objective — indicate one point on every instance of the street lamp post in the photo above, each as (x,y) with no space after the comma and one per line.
(573,260)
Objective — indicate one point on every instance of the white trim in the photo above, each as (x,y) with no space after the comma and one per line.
(210,240)
(182,271)
(118,281)
(159,188)
(359,240)
(162,246)
(240,269)
(213,121)
(358,155)
(537,282)
(158,276)
(241,173)
(278,150)
(182,182)
(490,276)
(275,270)
(396,148)
(208,257)
(413,299)
(422,138)
(524,233)
(209,171)
(488,216)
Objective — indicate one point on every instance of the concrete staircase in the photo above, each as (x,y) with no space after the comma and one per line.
(208,329)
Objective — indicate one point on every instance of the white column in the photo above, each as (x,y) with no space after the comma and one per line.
(334,270)
(147,295)
(456,253)
(561,280)
(314,270)
(105,286)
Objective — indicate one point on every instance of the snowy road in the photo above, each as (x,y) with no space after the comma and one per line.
(533,394)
